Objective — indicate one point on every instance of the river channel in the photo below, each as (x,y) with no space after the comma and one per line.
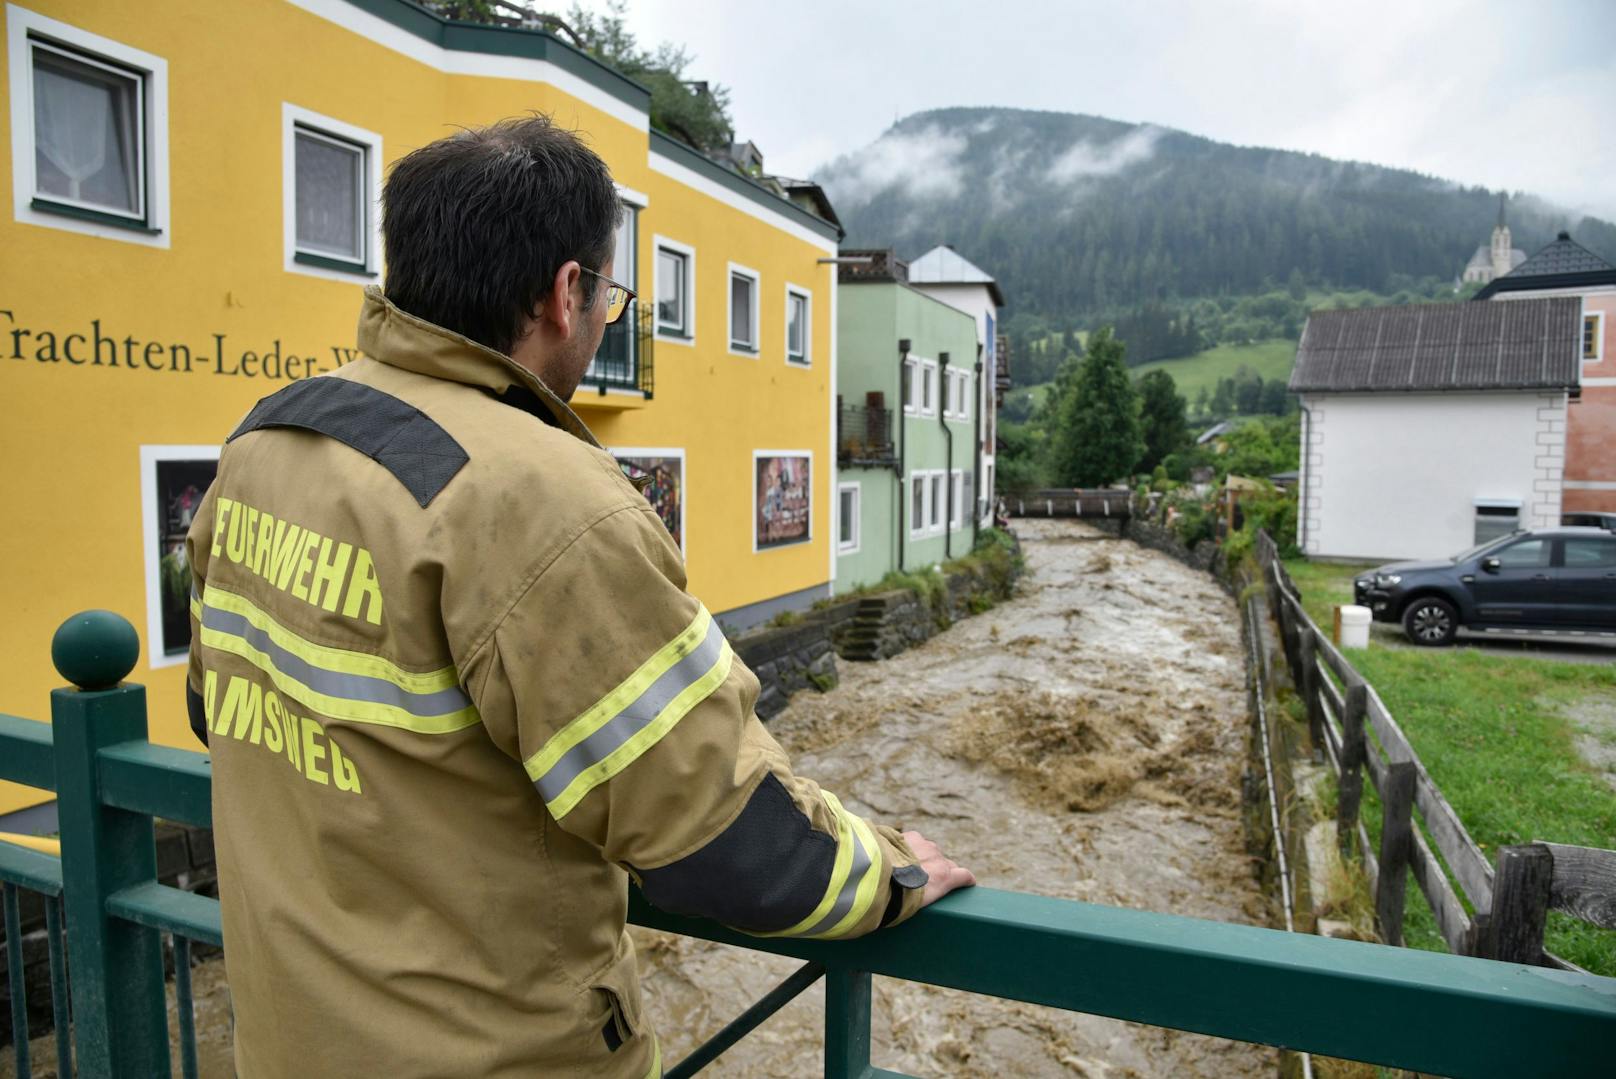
(1083,740)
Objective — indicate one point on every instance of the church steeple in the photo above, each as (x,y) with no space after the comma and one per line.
(1501,242)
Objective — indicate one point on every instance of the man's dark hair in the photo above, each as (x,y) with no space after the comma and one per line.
(477,224)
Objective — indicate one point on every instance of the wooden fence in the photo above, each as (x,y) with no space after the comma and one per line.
(1511,899)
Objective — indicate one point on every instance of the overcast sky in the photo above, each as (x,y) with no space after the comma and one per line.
(1506,94)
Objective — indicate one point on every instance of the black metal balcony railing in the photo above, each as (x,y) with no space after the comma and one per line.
(623,360)
(864,436)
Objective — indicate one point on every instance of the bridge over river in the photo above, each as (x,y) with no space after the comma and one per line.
(1084,740)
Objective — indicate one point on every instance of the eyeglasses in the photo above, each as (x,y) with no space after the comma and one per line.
(617,295)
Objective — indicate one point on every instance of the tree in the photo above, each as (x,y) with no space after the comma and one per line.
(697,112)
(1161,418)
(1275,397)
(1203,400)
(1223,398)
(1092,417)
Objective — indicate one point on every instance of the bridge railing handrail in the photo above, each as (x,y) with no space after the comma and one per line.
(1235,981)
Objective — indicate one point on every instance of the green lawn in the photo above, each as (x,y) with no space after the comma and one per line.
(1490,729)
(1270,359)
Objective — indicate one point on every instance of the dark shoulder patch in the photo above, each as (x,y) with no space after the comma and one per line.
(396,435)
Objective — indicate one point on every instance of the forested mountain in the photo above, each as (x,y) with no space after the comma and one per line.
(1081,217)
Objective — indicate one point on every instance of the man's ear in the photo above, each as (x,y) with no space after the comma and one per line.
(559,305)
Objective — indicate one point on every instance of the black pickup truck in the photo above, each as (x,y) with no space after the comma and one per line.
(1559,579)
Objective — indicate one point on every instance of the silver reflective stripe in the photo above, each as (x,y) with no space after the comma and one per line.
(351,687)
(850,887)
(634,717)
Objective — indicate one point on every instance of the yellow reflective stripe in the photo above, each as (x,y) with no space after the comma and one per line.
(374,691)
(335,659)
(655,1070)
(867,887)
(630,751)
(626,692)
(838,873)
(196,607)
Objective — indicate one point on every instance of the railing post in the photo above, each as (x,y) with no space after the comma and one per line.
(1308,684)
(1396,845)
(1520,905)
(847,1024)
(1349,784)
(115,967)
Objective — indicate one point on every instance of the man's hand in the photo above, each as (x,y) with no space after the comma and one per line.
(944,875)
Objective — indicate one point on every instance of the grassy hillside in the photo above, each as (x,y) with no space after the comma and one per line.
(1270,359)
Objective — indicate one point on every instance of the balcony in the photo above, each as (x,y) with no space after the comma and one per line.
(864,437)
(622,372)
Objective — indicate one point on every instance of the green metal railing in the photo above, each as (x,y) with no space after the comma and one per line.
(1429,1012)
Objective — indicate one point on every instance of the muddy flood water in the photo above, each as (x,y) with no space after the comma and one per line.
(1083,740)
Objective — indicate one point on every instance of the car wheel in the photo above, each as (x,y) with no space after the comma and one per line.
(1431,621)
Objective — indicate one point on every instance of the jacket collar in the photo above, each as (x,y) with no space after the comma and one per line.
(399,339)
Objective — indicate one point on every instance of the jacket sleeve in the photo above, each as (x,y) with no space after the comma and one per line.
(633,718)
(198,550)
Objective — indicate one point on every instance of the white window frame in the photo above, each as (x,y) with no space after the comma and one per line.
(1599,336)
(909,391)
(663,333)
(755,349)
(917,526)
(850,546)
(294,117)
(23,29)
(956,478)
(937,507)
(813,479)
(807,358)
(925,385)
(150,533)
(960,394)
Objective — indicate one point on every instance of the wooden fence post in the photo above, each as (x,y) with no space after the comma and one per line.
(1308,686)
(1353,751)
(1396,845)
(1520,904)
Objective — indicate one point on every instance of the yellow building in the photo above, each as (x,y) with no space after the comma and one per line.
(194,191)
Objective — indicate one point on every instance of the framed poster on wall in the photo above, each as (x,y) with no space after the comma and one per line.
(782,497)
(173,480)
(660,476)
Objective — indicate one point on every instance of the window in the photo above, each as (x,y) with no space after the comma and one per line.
(89,131)
(934,512)
(332,177)
(917,504)
(799,326)
(911,385)
(1527,554)
(173,480)
(1589,553)
(957,395)
(847,518)
(1495,519)
(675,291)
(957,514)
(1593,336)
(928,390)
(743,310)
(616,362)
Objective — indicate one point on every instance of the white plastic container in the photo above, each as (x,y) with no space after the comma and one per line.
(1355,626)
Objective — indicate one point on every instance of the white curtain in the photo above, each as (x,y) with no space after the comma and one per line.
(329,214)
(84,119)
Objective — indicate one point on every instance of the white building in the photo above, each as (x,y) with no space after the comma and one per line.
(1428,428)
(1497,258)
(946,275)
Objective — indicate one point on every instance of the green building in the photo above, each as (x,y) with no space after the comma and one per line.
(908,381)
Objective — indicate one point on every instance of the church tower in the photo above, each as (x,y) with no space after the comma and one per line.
(1501,245)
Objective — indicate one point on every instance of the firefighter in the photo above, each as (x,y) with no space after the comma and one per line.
(455,691)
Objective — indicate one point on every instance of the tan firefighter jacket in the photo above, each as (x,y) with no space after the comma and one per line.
(456,695)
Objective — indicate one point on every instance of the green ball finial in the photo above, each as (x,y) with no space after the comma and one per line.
(95,649)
